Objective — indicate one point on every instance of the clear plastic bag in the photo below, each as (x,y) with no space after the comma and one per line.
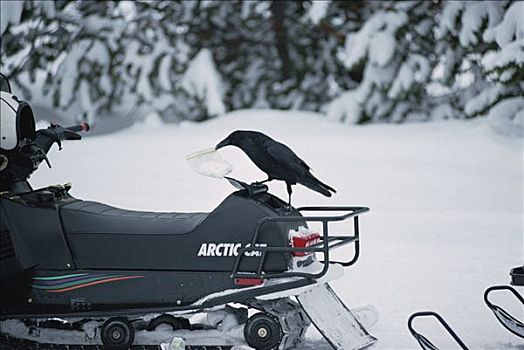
(209,163)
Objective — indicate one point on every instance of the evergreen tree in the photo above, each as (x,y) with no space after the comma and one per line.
(88,57)
(392,51)
(482,45)
(366,61)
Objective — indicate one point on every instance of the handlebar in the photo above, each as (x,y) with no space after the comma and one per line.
(45,138)
(82,127)
(34,151)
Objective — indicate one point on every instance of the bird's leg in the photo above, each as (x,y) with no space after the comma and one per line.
(289,191)
(262,182)
(267,180)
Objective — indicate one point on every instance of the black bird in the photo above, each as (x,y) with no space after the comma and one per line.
(277,160)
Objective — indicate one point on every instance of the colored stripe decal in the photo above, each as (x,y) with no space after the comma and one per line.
(72,283)
(94,283)
(58,277)
(71,279)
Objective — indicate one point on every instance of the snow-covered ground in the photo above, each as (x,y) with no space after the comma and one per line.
(446,202)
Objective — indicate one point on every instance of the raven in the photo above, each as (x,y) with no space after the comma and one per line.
(277,160)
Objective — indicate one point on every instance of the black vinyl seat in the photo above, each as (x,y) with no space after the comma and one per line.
(92,217)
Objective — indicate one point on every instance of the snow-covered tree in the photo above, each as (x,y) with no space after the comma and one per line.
(482,49)
(161,68)
(236,34)
(505,69)
(316,31)
(272,54)
(110,58)
(89,58)
(391,49)
(361,61)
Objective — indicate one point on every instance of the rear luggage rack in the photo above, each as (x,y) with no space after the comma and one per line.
(327,243)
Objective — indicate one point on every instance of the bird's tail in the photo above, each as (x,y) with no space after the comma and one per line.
(315,184)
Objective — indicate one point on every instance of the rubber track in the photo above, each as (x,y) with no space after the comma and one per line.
(11,343)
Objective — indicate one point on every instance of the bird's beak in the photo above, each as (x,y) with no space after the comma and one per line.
(222,143)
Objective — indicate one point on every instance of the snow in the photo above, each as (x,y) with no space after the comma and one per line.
(391,78)
(47,8)
(228,332)
(414,69)
(442,111)
(507,117)
(300,232)
(367,96)
(164,70)
(348,106)
(512,53)
(511,27)
(484,99)
(375,40)
(446,203)
(367,315)
(449,15)
(473,19)
(68,71)
(10,13)
(177,344)
(509,36)
(202,79)
(473,16)
(318,10)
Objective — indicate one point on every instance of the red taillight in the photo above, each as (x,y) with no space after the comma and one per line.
(84,126)
(248,281)
(304,242)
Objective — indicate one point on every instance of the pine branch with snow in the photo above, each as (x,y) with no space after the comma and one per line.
(392,46)
(92,58)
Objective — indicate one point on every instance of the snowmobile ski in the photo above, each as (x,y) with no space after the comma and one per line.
(512,324)
(333,319)
(424,342)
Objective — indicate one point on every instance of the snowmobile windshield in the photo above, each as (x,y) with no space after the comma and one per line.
(209,163)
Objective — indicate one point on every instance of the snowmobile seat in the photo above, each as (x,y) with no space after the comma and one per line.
(96,218)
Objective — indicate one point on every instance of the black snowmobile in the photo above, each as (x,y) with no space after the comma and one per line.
(77,274)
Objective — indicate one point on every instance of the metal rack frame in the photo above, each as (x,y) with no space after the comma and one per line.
(328,242)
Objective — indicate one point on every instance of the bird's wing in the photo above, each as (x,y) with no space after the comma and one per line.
(285,155)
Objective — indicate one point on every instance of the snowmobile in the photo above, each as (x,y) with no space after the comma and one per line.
(78,274)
